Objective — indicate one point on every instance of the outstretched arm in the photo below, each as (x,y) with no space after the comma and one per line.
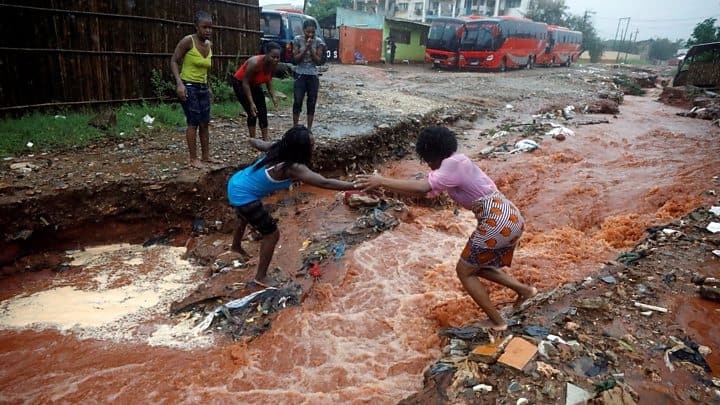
(303,173)
(371,181)
(260,144)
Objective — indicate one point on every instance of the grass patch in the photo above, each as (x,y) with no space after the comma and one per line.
(628,85)
(65,130)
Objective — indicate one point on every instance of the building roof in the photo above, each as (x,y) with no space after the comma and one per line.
(405,21)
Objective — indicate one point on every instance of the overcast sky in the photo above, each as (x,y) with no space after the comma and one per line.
(672,19)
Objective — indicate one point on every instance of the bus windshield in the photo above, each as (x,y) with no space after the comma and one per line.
(443,36)
(480,38)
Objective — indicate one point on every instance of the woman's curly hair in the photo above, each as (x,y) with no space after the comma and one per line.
(436,143)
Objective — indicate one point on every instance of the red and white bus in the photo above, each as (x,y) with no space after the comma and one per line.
(501,43)
(444,39)
(563,47)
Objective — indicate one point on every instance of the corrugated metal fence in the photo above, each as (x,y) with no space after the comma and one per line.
(85,52)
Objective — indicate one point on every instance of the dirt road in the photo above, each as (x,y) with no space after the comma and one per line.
(368,329)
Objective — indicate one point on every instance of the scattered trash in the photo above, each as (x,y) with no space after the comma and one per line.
(148,119)
(685,350)
(715,210)
(198,225)
(315,270)
(629,258)
(522,401)
(558,131)
(439,368)
(514,386)
(608,279)
(576,395)
(24,167)
(710,293)
(509,106)
(713,227)
(567,112)
(471,333)
(537,331)
(60,117)
(491,352)
(30,144)
(716,252)
(650,307)
(305,244)
(482,388)
(356,198)
(518,353)
(525,145)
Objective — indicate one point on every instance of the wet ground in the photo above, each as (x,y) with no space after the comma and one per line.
(367,329)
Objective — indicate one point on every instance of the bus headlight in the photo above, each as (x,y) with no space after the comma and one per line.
(489,58)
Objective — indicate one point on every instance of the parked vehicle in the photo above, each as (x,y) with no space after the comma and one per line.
(501,43)
(563,47)
(444,41)
(282,26)
(700,67)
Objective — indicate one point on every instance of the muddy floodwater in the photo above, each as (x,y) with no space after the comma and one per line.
(366,332)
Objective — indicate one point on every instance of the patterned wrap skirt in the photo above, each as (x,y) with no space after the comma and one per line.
(499,228)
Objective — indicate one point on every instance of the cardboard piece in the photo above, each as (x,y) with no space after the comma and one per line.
(518,353)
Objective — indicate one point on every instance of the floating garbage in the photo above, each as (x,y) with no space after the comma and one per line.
(235,304)
(557,131)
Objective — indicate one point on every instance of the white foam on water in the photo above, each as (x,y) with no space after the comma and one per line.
(129,286)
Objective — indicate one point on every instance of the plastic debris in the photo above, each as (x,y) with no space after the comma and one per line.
(608,279)
(713,227)
(629,258)
(235,304)
(305,244)
(509,106)
(30,144)
(560,131)
(148,119)
(482,388)
(576,395)
(315,270)
(650,307)
(537,331)
(439,368)
(716,252)
(525,145)
(715,210)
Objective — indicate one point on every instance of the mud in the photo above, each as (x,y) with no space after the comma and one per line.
(367,328)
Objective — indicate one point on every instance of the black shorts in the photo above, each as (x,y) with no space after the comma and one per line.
(257,216)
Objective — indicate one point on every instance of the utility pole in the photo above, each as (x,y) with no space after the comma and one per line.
(633,41)
(622,39)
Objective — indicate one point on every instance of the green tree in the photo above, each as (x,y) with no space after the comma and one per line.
(591,41)
(547,11)
(662,49)
(324,8)
(704,32)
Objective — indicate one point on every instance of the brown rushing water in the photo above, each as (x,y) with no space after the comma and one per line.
(367,332)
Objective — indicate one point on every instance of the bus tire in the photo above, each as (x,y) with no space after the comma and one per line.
(503,65)
(531,62)
(569,62)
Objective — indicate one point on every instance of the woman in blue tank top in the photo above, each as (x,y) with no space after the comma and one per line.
(285,161)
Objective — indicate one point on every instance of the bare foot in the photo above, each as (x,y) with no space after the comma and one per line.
(240,251)
(522,298)
(487,323)
(264,283)
(212,161)
(196,164)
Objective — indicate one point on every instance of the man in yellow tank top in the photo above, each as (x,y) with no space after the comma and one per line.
(194,53)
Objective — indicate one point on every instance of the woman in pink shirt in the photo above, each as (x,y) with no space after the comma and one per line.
(500,225)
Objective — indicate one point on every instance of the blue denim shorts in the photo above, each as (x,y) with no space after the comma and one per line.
(197,104)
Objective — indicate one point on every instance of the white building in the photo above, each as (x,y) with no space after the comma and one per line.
(417,9)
